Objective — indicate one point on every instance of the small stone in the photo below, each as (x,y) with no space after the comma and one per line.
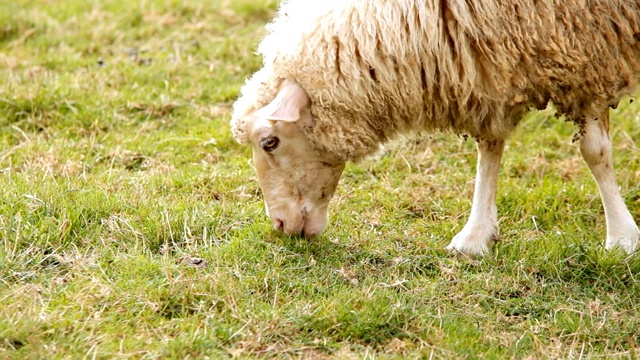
(191,261)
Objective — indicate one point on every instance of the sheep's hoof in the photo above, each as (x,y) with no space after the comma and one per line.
(627,243)
(474,241)
(460,255)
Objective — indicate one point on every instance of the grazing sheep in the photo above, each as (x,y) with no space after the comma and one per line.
(342,77)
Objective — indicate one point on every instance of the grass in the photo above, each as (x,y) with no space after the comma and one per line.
(131,223)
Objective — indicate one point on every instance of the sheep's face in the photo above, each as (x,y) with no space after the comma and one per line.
(297,182)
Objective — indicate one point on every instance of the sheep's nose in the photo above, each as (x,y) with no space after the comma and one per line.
(285,227)
(278,224)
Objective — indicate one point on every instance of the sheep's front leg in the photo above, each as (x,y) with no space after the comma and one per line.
(595,147)
(481,231)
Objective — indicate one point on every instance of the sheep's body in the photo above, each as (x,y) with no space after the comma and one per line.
(375,69)
(341,77)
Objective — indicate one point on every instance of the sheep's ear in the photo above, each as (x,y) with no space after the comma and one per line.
(288,105)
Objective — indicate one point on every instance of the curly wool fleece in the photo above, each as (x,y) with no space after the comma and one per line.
(375,69)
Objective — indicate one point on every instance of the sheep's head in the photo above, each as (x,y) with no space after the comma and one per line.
(297,182)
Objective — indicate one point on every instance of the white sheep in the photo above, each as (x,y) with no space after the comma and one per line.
(342,77)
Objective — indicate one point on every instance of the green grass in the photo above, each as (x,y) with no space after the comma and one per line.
(117,169)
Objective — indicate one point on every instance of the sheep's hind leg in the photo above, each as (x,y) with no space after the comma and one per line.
(595,147)
(481,231)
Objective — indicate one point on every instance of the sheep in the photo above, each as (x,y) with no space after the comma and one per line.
(343,77)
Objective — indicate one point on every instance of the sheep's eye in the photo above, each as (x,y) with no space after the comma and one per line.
(269,143)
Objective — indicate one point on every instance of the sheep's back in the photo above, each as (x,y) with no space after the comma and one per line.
(380,68)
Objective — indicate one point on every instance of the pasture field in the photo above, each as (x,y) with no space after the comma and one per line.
(131,223)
